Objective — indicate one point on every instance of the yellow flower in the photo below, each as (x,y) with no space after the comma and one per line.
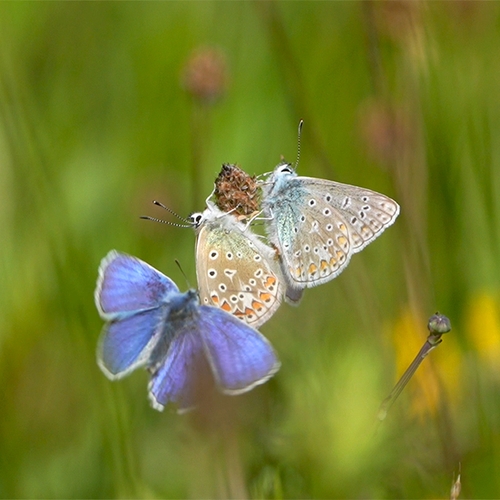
(483,328)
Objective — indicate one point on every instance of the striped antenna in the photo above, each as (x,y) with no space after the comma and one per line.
(154,219)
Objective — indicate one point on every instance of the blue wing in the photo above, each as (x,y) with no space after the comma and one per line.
(126,344)
(177,377)
(239,355)
(133,298)
(127,284)
(208,339)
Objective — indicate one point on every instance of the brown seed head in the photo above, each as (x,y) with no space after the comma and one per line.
(236,191)
(205,75)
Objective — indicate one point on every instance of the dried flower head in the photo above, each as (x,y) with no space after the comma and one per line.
(205,75)
(236,191)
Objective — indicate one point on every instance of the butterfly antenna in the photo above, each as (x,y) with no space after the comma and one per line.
(183,273)
(158,203)
(299,136)
(154,219)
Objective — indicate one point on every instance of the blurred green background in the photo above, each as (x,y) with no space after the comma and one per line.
(107,106)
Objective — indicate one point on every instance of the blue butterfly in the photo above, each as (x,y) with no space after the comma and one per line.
(151,324)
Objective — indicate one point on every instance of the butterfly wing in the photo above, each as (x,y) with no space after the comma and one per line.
(126,344)
(127,284)
(366,213)
(235,271)
(318,224)
(210,339)
(132,297)
(239,355)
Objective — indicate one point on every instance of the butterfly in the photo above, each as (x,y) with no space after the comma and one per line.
(236,271)
(317,224)
(151,324)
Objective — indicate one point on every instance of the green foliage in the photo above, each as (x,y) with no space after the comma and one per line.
(97,119)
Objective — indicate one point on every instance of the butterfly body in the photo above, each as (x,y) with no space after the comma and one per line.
(236,271)
(317,224)
(151,324)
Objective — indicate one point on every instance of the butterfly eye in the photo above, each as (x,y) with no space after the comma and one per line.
(196,218)
(284,168)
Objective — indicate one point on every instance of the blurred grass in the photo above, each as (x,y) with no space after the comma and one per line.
(401,97)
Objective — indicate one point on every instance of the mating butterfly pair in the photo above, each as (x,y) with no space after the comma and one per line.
(314,226)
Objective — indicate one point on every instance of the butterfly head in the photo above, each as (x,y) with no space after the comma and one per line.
(196,219)
(183,304)
(284,168)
